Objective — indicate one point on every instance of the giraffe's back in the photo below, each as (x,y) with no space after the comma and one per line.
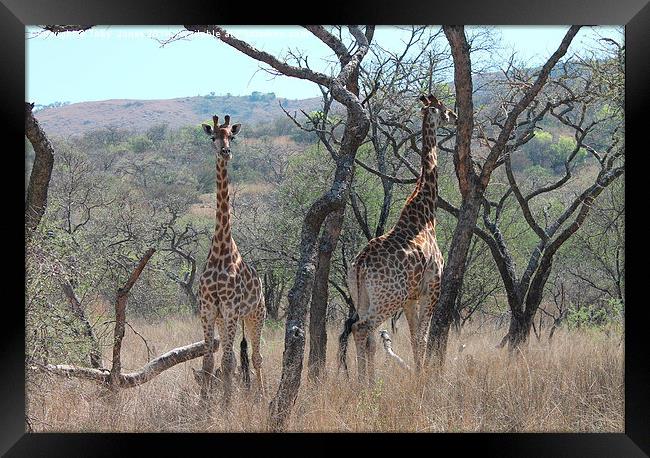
(393,269)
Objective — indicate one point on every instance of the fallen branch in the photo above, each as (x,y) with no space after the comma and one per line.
(388,346)
(131,379)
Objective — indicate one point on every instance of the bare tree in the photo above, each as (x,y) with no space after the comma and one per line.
(80,191)
(473,179)
(571,97)
(182,243)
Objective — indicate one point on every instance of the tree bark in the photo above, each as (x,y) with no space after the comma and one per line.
(452,280)
(320,296)
(299,295)
(271,295)
(344,89)
(136,378)
(39,179)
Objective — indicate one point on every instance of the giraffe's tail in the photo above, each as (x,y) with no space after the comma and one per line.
(353,313)
(343,340)
(243,356)
(394,319)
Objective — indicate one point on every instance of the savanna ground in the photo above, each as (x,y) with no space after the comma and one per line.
(575,383)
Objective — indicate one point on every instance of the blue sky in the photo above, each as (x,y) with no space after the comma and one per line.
(111,62)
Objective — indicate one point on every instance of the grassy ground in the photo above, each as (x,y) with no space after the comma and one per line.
(574,384)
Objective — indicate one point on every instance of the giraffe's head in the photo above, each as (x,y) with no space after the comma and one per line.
(435,113)
(222,135)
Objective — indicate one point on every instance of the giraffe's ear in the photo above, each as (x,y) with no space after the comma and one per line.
(434,100)
(207,129)
(235,129)
(424,100)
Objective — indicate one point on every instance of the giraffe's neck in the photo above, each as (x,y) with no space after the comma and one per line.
(222,242)
(419,212)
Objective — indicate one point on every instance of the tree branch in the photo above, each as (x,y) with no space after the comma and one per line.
(138,377)
(39,179)
(531,92)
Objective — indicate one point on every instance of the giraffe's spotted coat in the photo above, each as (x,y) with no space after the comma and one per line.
(229,289)
(403,268)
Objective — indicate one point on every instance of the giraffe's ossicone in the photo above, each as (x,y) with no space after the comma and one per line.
(229,289)
(402,269)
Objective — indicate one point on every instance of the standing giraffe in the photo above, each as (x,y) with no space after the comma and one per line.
(402,268)
(229,289)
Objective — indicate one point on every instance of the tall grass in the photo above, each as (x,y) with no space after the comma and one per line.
(574,383)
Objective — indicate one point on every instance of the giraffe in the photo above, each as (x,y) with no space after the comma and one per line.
(229,289)
(401,269)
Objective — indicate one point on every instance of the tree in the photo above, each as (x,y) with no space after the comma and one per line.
(571,97)
(474,179)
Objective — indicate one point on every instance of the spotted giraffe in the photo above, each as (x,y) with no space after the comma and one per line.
(229,289)
(401,269)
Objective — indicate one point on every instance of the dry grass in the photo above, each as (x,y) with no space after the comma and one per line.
(576,384)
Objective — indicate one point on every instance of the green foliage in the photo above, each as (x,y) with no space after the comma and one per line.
(140,143)
(543,152)
(274,325)
(596,316)
(543,138)
(259,97)
(39,107)
(53,334)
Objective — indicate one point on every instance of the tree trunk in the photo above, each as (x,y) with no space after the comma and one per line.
(452,281)
(39,180)
(189,284)
(521,323)
(319,298)
(120,318)
(299,295)
(522,317)
(191,296)
(523,311)
(271,295)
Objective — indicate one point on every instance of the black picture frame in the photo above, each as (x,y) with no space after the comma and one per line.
(16,14)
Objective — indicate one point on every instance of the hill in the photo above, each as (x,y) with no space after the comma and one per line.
(139,115)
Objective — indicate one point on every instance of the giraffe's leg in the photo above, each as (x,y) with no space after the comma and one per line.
(426,312)
(371,349)
(412,320)
(228,362)
(221,329)
(360,334)
(366,346)
(367,328)
(254,327)
(205,378)
(208,360)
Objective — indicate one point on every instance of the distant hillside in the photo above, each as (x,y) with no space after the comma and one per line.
(138,115)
